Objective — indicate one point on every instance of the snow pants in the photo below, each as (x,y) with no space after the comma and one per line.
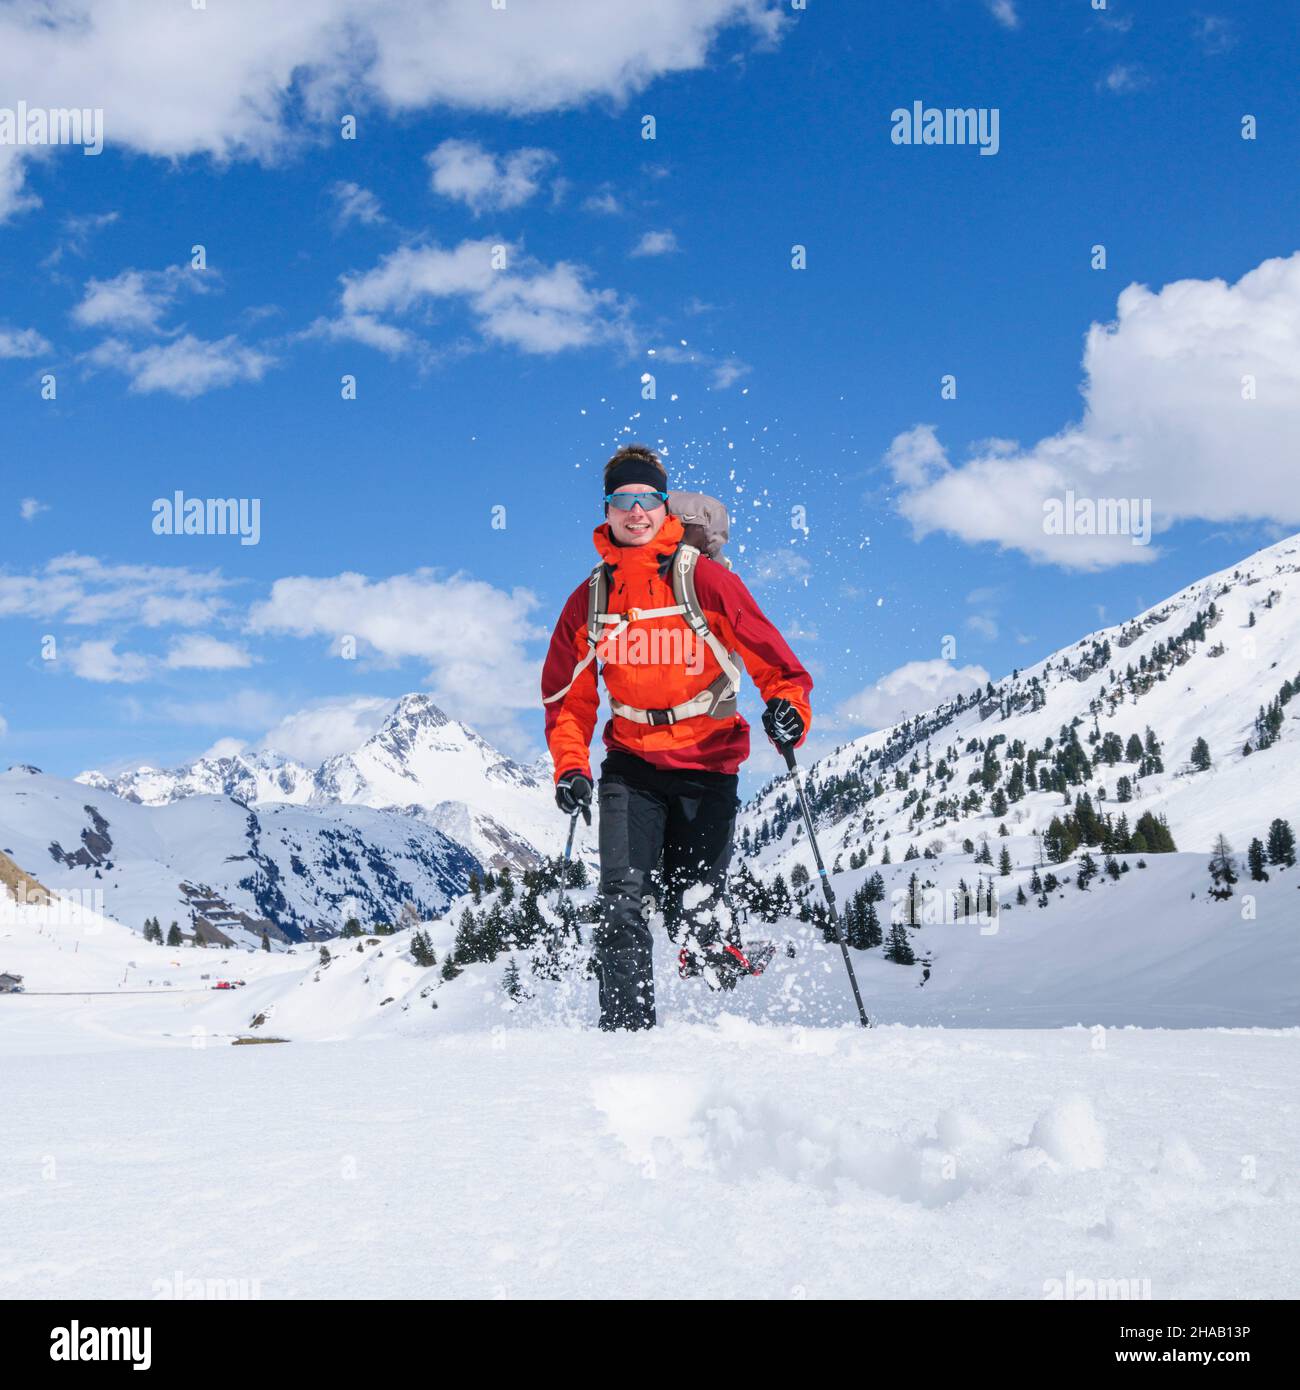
(662,833)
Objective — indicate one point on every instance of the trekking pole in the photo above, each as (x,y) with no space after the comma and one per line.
(788,751)
(564,870)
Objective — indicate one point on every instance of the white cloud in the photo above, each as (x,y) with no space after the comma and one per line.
(367,329)
(356,204)
(21,342)
(78,228)
(4,727)
(186,366)
(468,635)
(101,661)
(911,689)
(529,306)
(603,202)
(83,591)
(29,508)
(724,371)
(1124,77)
(135,300)
(1004,11)
(224,748)
(324,730)
(484,182)
(196,651)
(1165,420)
(776,566)
(655,244)
(247,80)
(915,457)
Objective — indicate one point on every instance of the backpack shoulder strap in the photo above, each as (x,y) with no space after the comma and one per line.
(597,594)
(685,558)
(597,599)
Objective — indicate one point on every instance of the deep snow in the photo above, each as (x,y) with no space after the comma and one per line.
(724,1161)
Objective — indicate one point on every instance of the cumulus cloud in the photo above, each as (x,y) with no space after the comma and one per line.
(329,728)
(81,590)
(655,244)
(356,204)
(186,366)
(463,170)
(29,508)
(135,300)
(911,689)
(197,651)
(101,661)
(1004,11)
(1191,403)
(604,202)
(244,80)
(527,305)
(468,635)
(21,342)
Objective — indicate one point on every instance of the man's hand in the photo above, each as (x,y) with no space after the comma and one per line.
(573,793)
(782,723)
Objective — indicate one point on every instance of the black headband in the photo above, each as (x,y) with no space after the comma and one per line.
(635,470)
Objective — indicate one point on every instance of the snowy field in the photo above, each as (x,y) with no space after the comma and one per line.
(718,1160)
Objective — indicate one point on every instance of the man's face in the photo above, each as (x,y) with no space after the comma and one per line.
(638,526)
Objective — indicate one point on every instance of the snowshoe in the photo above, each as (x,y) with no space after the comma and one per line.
(723,963)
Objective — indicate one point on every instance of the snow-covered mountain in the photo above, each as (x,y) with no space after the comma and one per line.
(231,870)
(1114,718)
(420,761)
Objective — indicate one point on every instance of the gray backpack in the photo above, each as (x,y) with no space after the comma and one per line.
(705,523)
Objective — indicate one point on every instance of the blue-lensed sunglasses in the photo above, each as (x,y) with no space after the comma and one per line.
(625,501)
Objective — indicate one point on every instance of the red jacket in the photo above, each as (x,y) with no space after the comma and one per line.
(655,670)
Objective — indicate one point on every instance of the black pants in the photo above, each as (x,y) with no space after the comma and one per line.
(661,833)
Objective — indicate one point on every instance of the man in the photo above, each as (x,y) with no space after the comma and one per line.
(668,782)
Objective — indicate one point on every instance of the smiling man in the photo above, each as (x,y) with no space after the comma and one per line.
(674,741)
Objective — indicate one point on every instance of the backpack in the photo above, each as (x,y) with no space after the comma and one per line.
(705,523)
(705,530)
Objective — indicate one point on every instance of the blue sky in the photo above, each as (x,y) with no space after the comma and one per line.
(818,388)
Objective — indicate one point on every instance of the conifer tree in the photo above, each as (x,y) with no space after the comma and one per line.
(1223,869)
(1255,861)
(1281,843)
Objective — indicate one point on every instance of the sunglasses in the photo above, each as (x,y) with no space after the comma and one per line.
(625,501)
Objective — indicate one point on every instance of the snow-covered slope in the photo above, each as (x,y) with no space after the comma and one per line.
(1202,664)
(421,761)
(235,870)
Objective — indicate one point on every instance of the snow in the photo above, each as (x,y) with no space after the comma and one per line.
(725,1160)
(1095,1093)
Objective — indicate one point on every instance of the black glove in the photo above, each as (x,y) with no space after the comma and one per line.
(573,793)
(782,723)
